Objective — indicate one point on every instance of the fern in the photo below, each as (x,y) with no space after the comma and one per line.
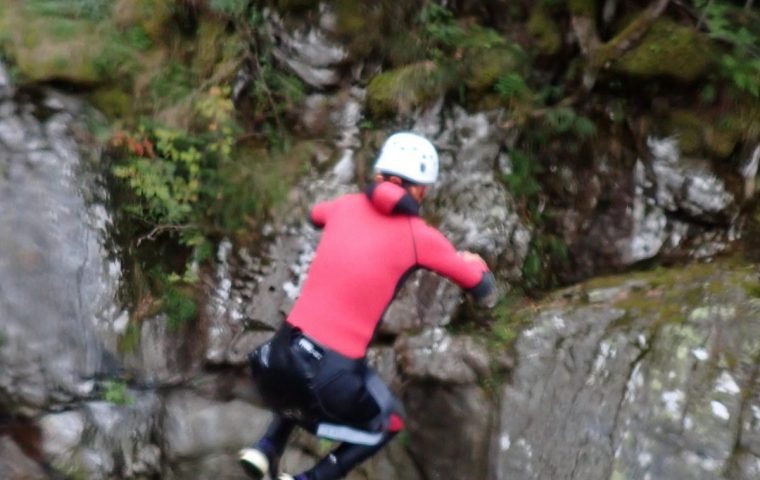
(739,30)
(511,86)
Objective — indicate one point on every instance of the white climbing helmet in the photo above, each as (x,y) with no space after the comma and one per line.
(410,157)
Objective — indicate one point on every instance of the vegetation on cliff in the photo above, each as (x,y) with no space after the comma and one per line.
(198,161)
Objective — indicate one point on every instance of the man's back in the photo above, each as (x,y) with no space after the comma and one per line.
(369,246)
(362,258)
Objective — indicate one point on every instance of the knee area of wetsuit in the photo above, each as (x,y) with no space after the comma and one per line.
(396,424)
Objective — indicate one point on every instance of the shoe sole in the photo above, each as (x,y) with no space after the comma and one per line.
(254,463)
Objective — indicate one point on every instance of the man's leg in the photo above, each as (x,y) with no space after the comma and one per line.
(263,456)
(366,406)
(343,459)
(276,437)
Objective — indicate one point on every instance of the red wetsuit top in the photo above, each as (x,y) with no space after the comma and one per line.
(371,242)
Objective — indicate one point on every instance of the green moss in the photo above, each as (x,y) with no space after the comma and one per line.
(209,41)
(689,127)
(66,29)
(130,341)
(507,319)
(152,16)
(352,17)
(71,43)
(116,392)
(174,82)
(544,29)
(484,67)
(672,294)
(256,181)
(722,140)
(94,10)
(357,26)
(405,48)
(179,305)
(752,288)
(667,50)
(72,62)
(114,102)
(47,48)
(403,89)
(700,132)
(364,27)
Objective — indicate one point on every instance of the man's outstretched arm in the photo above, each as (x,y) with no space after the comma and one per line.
(466,269)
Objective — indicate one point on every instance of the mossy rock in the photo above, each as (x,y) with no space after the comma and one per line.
(404,89)
(485,101)
(699,133)
(485,67)
(364,27)
(47,48)
(667,50)
(114,102)
(151,15)
(689,128)
(544,30)
(210,40)
(721,140)
(71,46)
(356,27)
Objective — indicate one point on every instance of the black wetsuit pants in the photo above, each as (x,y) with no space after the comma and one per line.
(333,466)
(326,393)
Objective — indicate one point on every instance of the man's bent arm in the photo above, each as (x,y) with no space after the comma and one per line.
(436,253)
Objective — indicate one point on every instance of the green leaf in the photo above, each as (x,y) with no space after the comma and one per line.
(511,86)
(584,127)
(561,119)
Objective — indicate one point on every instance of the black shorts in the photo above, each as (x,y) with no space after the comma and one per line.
(315,386)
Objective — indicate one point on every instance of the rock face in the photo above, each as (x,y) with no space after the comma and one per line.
(657,383)
(57,284)
(664,206)
(645,377)
(43,53)
(61,325)
(307,53)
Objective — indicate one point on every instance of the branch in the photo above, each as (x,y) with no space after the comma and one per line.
(159,229)
(600,55)
(585,31)
(629,37)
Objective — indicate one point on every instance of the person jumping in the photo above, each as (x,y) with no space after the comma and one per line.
(313,372)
